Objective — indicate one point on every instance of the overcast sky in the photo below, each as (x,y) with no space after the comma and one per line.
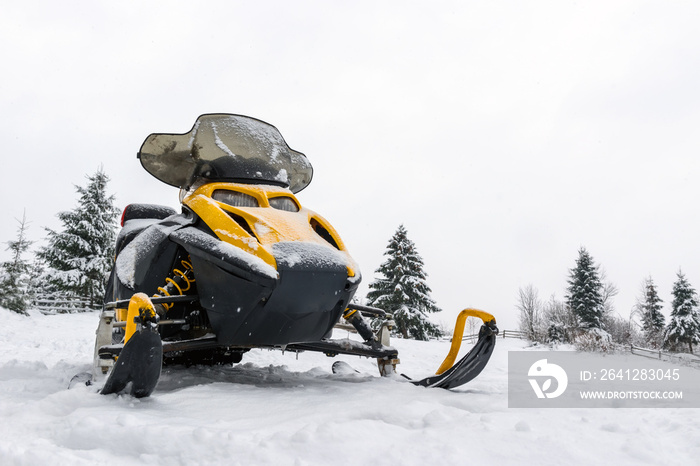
(503,135)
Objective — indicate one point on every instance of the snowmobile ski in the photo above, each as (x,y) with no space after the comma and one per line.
(139,364)
(83,378)
(451,375)
(343,368)
(138,367)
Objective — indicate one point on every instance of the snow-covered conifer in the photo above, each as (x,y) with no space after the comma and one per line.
(653,321)
(585,291)
(684,327)
(78,258)
(402,289)
(14,276)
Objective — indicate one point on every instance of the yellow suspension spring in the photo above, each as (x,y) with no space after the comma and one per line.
(186,280)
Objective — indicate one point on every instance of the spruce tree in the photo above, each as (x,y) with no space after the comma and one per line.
(653,321)
(585,291)
(402,289)
(78,259)
(15,273)
(684,327)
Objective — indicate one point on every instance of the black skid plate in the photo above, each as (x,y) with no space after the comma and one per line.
(137,370)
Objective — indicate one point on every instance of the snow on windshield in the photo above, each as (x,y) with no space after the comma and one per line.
(223,147)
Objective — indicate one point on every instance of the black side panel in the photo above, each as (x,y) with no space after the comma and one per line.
(302,306)
(145,261)
(230,301)
(112,291)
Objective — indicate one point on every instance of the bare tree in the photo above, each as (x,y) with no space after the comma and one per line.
(561,322)
(530,307)
(610,290)
(622,331)
(473,325)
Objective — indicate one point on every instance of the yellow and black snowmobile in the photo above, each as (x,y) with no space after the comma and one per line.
(243,266)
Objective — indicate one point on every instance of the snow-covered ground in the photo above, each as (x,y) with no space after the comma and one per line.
(275,408)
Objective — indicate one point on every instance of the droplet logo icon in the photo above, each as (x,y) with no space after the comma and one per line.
(546,372)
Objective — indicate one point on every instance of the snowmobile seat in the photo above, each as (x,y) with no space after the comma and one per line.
(146,211)
(143,215)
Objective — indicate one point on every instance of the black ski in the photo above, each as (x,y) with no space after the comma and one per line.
(137,370)
(466,368)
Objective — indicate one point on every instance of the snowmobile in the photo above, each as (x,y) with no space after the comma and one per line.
(244,265)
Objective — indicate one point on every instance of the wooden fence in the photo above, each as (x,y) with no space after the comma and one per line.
(62,305)
(503,334)
(636,350)
(663,356)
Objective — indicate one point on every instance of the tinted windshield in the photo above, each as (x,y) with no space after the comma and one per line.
(222,147)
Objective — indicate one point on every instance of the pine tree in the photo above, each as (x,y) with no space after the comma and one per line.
(34,280)
(585,291)
(684,327)
(653,321)
(402,290)
(15,273)
(78,258)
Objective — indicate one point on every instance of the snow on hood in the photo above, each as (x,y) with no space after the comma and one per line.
(224,251)
(304,255)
